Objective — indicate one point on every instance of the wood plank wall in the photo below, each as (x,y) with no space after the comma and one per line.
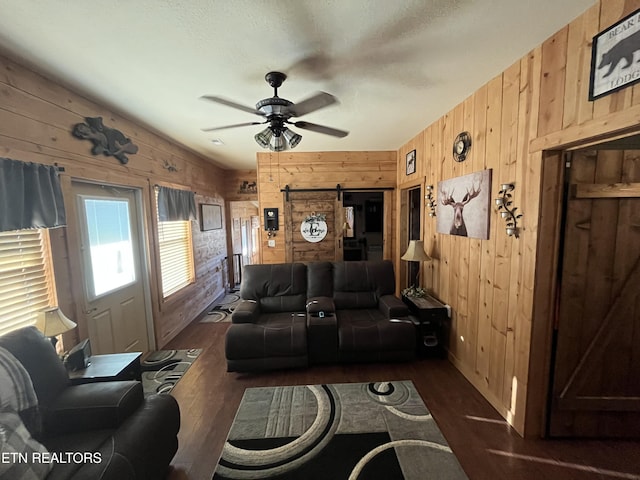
(501,289)
(319,170)
(36,119)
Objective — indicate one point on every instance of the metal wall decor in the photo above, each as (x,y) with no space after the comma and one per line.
(504,202)
(431,201)
(461,146)
(106,141)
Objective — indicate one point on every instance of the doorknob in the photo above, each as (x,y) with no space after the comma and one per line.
(87,312)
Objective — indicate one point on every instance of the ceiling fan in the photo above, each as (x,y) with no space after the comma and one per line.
(277,113)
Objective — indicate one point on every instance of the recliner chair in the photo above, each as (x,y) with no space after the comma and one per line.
(133,437)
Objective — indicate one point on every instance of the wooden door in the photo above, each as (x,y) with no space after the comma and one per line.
(301,205)
(110,251)
(596,380)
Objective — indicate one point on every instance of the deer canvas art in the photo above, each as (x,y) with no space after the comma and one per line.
(463,205)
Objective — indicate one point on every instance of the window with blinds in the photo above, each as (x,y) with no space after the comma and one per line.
(176,256)
(26,277)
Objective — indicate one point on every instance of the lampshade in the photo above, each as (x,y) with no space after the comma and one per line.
(291,137)
(415,252)
(277,144)
(53,322)
(264,137)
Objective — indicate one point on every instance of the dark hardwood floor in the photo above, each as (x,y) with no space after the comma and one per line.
(485,445)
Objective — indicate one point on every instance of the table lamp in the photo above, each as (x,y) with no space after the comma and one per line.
(52,322)
(415,253)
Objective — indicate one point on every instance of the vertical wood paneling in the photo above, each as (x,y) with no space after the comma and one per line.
(320,170)
(494,286)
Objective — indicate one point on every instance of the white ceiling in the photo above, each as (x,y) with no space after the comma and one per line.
(396,66)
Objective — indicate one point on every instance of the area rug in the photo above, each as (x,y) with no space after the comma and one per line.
(162,369)
(364,431)
(221,312)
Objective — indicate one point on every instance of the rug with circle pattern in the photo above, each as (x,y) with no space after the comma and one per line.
(221,312)
(162,369)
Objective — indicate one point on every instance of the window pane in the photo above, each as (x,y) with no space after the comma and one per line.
(110,244)
(26,278)
(176,259)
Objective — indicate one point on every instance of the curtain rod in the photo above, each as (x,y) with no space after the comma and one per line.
(337,188)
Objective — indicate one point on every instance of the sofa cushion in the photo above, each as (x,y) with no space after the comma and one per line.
(24,452)
(35,352)
(93,406)
(276,288)
(361,284)
(274,335)
(319,279)
(367,330)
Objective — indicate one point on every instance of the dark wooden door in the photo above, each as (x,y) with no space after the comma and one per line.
(596,381)
(299,206)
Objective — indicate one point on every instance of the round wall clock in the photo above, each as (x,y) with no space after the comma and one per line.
(461,146)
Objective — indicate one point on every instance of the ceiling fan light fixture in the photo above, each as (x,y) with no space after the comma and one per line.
(264,137)
(292,138)
(278,144)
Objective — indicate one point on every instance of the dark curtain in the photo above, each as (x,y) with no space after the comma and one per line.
(175,205)
(30,196)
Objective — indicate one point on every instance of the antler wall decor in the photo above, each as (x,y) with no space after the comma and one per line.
(504,202)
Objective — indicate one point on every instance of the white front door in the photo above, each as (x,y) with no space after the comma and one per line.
(114,291)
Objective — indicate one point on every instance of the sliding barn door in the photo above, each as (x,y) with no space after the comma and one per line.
(596,382)
(299,206)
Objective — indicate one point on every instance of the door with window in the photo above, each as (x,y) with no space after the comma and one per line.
(114,298)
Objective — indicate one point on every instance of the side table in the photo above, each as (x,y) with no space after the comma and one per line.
(429,315)
(107,368)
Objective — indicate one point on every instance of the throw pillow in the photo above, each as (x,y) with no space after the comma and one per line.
(17,393)
(22,457)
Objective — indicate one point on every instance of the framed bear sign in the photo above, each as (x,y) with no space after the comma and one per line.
(615,57)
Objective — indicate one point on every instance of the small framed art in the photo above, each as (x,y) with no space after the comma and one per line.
(210,217)
(411,162)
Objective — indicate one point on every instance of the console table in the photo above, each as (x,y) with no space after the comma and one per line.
(428,315)
(106,368)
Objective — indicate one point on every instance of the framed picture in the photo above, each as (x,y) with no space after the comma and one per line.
(614,63)
(464,205)
(411,162)
(210,217)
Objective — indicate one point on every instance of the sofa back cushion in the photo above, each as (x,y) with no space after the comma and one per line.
(279,287)
(361,284)
(36,354)
(319,279)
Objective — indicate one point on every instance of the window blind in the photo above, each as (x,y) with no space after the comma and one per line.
(176,256)
(26,277)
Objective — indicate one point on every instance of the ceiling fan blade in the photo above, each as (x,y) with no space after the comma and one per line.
(229,103)
(311,104)
(246,124)
(334,132)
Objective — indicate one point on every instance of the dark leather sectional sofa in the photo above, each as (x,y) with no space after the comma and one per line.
(104,430)
(293,315)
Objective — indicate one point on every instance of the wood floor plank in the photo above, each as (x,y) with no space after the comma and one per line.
(486,446)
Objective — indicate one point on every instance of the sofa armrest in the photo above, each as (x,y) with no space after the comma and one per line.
(392,307)
(247,311)
(321,304)
(92,406)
